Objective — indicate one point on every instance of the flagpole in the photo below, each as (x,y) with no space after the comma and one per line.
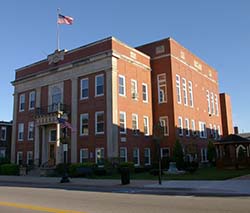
(57,37)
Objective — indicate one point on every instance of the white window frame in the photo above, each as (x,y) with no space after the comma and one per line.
(31,128)
(208,102)
(216,105)
(145,93)
(134,91)
(212,103)
(184,88)
(84,88)
(180,126)
(32,94)
(187,128)
(96,77)
(29,156)
(204,155)
(123,85)
(3,128)
(19,154)
(215,132)
(149,156)
(219,133)
(2,153)
(82,150)
(20,131)
(162,83)
(165,148)
(96,115)
(164,123)
(178,89)
(193,125)
(202,129)
(136,120)
(81,124)
(101,149)
(22,102)
(125,153)
(138,156)
(124,124)
(50,135)
(190,91)
(146,125)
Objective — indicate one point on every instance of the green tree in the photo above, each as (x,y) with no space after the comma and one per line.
(211,152)
(178,155)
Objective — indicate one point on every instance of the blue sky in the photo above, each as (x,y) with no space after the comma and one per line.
(216,31)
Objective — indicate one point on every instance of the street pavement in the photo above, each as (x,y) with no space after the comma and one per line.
(232,187)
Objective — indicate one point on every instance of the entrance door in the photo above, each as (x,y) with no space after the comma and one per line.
(52,155)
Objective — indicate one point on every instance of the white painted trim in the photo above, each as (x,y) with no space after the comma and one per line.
(149,156)
(126,153)
(147,120)
(146,86)
(124,85)
(96,114)
(81,157)
(3,128)
(98,95)
(125,122)
(30,95)
(84,98)
(81,117)
(21,96)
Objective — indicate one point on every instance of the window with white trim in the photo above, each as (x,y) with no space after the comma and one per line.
(134,122)
(219,133)
(136,157)
(208,103)
(145,93)
(180,126)
(84,155)
(162,88)
(184,88)
(193,127)
(122,85)
(19,158)
(146,125)
(203,132)
(31,131)
(190,91)
(212,103)
(32,97)
(211,131)
(147,157)
(134,92)
(20,131)
(52,135)
(3,133)
(99,85)
(29,159)
(123,129)
(123,154)
(178,89)
(216,104)
(215,132)
(84,88)
(99,122)
(99,156)
(21,102)
(203,154)
(187,130)
(2,153)
(84,124)
(164,123)
(165,152)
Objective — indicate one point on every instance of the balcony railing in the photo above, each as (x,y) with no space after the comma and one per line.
(51,109)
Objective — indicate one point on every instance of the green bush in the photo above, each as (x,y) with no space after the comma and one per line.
(129,165)
(9,169)
(77,169)
(4,161)
(178,155)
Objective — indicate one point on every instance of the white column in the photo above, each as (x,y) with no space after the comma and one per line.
(44,145)
(58,147)
(14,129)
(74,117)
(37,132)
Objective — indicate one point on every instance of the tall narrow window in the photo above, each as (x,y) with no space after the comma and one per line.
(122,85)
(31,131)
(190,91)
(193,127)
(203,131)
(216,105)
(19,158)
(215,132)
(212,103)
(99,85)
(147,157)
(145,93)
(135,122)
(219,133)
(162,88)
(146,125)
(184,87)
(84,88)
(123,154)
(99,156)
(208,103)
(164,124)
(123,122)
(180,126)
(84,155)
(21,102)
(3,133)
(134,92)
(178,89)
(187,130)
(29,158)
(20,131)
(99,122)
(32,96)
(84,124)
(136,157)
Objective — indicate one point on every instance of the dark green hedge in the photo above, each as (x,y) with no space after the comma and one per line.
(9,169)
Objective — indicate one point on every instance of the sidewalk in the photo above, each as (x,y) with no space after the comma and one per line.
(233,187)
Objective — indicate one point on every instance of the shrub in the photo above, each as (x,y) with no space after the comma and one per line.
(129,165)
(211,152)
(81,169)
(4,161)
(9,169)
(191,166)
(178,155)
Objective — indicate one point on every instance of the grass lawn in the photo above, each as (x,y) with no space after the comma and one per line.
(200,174)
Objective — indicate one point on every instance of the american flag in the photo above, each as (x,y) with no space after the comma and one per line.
(65,124)
(64,19)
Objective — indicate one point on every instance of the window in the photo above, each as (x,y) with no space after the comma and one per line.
(32,96)
(123,154)
(20,131)
(99,156)
(216,105)
(136,158)
(122,85)
(190,91)
(219,133)
(99,122)
(56,98)
(208,103)
(212,103)
(180,126)
(187,131)
(2,153)
(215,132)
(165,152)
(193,127)
(99,85)
(164,124)
(146,125)
(31,131)
(184,88)
(203,154)
(162,88)
(21,102)
(29,158)
(84,124)
(178,89)
(3,133)
(147,157)
(84,155)
(135,123)
(19,158)
(52,135)
(145,93)
(203,133)
(134,92)
(123,122)
(84,88)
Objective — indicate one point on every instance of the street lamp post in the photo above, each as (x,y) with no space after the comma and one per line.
(65,178)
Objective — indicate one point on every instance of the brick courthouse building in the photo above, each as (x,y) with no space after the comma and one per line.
(113,95)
